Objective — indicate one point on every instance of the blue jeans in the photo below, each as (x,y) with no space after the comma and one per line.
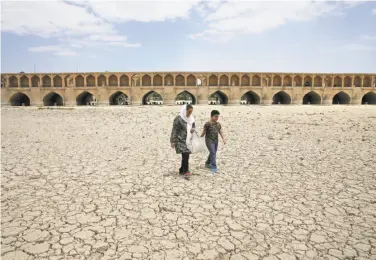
(212,147)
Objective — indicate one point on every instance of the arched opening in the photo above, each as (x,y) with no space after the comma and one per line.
(250,98)
(135,80)
(213,80)
(13,82)
(124,81)
(256,81)
(338,81)
(218,98)
(80,81)
(24,82)
(308,81)
(185,98)
(46,82)
(152,98)
(357,82)
(113,81)
(58,82)
(53,99)
(298,81)
(90,81)
(180,80)
(102,81)
(157,80)
(234,80)
(287,81)
(277,81)
(119,99)
(318,81)
(281,98)
(246,80)
(168,80)
(312,98)
(223,80)
(367,82)
(369,98)
(348,82)
(191,80)
(19,99)
(35,81)
(341,98)
(146,80)
(85,99)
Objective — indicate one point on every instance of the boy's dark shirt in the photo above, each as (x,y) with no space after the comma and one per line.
(212,130)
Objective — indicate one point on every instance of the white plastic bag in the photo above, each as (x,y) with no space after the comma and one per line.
(197,143)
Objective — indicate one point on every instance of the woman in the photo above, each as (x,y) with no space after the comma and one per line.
(183,124)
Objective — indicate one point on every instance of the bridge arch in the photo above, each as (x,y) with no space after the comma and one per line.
(80,82)
(152,98)
(369,98)
(85,98)
(191,80)
(185,97)
(35,81)
(118,99)
(312,98)
(218,98)
(90,81)
(13,82)
(24,81)
(251,98)
(341,98)
(157,80)
(53,99)
(281,98)
(19,99)
(213,80)
(124,81)
(113,81)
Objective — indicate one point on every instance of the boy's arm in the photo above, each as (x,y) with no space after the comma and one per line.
(203,131)
(221,134)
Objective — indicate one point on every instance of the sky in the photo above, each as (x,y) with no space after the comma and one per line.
(239,36)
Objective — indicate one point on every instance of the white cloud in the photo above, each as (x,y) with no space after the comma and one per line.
(55,49)
(374,11)
(71,24)
(142,11)
(248,17)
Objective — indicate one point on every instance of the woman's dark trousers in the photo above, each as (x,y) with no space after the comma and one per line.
(184,163)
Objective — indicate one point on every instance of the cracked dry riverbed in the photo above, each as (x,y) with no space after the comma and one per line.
(295,182)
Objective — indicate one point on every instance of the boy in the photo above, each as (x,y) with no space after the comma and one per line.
(211,131)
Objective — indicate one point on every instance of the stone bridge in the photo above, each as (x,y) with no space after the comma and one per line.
(232,88)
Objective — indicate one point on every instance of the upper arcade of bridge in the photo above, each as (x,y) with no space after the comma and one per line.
(190,79)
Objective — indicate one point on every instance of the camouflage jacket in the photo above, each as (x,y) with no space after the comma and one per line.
(179,135)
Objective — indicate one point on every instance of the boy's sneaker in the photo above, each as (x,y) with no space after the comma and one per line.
(214,170)
(187,175)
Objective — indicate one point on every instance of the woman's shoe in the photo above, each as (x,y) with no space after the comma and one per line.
(187,175)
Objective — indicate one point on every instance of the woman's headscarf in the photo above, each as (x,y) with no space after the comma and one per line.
(183,114)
